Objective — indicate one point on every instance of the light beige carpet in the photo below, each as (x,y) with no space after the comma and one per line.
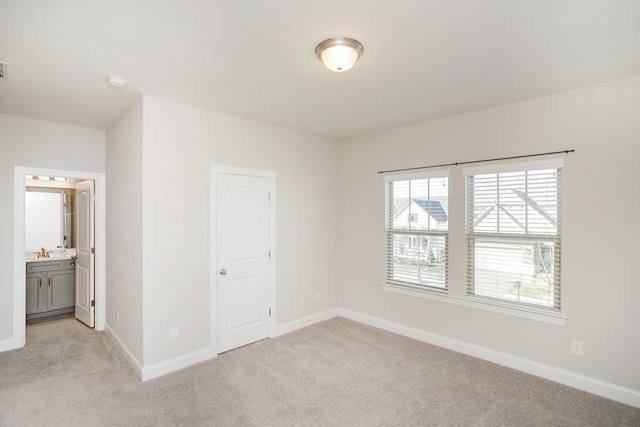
(336,373)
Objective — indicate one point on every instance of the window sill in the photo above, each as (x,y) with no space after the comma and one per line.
(478,303)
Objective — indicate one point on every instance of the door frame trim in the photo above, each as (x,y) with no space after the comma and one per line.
(213,267)
(19,271)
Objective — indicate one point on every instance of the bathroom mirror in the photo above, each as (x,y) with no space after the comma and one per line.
(48,219)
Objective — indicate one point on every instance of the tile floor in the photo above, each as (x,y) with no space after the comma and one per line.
(59,326)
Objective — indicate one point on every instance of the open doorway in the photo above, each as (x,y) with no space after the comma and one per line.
(96,246)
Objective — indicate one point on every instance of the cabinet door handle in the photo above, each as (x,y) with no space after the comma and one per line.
(49,281)
(40,281)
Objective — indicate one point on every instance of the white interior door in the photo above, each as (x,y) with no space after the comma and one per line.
(85,290)
(243,259)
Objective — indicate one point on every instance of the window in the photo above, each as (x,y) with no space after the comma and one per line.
(513,233)
(417,224)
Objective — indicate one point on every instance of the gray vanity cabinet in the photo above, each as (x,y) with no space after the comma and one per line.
(35,299)
(50,287)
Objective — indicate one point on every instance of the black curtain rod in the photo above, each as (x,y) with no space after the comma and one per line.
(479,161)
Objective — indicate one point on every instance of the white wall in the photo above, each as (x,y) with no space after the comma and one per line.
(179,145)
(600,284)
(124,230)
(37,144)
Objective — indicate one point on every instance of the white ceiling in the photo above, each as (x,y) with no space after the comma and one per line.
(423,59)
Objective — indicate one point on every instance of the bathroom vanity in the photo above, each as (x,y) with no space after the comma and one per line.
(50,286)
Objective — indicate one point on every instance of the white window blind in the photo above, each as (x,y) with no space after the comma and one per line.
(513,233)
(417,223)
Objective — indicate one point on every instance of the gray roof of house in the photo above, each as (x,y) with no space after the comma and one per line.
(433,208)
(529,201)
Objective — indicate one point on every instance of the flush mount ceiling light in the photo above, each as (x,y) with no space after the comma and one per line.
(339,53)
(118,82)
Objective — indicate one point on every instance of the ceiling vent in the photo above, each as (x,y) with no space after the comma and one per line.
(3,70)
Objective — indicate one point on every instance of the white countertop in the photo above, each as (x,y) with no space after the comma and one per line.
(54,255)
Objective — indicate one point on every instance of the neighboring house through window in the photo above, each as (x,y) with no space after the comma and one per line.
(417,229)
(513,233)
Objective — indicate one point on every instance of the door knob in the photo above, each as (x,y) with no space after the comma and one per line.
(223,272)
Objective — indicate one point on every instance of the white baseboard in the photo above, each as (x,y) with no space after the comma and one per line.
(572,379)
(305,321)
(162,368)
(128,355)
(167,366)
(6,345)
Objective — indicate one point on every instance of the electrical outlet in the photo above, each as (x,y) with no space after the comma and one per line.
(173,334)
(577,348)
(302,301)
(317,296)
(117,317)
